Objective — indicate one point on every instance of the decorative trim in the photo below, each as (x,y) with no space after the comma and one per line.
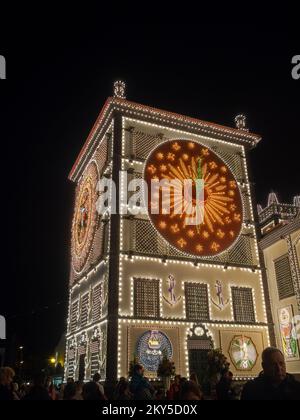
(294,268)
(142,111)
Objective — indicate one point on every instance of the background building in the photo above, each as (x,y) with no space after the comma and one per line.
(143,286)
(280,243)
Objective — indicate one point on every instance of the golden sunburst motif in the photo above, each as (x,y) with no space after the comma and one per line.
(221,206)
(84,221)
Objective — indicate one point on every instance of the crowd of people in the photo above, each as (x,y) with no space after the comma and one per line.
(274,383)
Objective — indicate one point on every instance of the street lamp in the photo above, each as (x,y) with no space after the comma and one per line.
(21,361)
(21,354)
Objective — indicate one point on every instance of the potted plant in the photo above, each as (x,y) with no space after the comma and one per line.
(166,370)
(133,362)
(216,364)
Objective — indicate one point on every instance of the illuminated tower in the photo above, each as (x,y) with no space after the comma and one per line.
(144,285)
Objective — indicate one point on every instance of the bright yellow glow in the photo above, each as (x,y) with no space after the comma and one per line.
(221,208)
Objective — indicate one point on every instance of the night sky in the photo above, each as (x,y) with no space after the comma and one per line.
(60,71)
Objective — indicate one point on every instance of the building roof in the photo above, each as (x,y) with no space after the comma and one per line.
(280,232)
(159,116)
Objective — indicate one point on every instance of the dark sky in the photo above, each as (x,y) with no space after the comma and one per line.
(59,73)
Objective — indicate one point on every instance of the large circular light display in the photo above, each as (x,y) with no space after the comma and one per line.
(151,347)
(84,221)
(221,203)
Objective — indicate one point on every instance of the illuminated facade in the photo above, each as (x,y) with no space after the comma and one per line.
(144,285)
(280,226)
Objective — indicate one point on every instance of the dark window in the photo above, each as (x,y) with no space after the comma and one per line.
(243,307)
(84,310)
(146,298)
(196,301)
(94,351)
(81,370)
(71,362)
(97,302)
(284,277)
(73,316)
